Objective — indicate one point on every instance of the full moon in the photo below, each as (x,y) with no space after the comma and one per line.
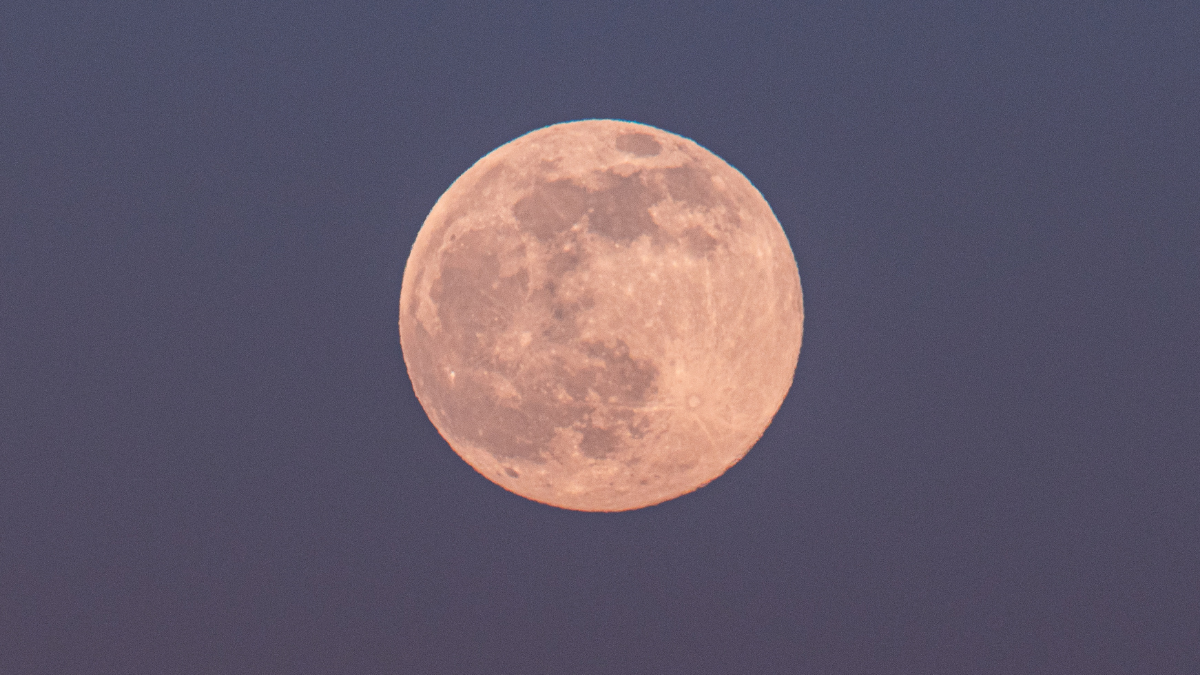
(601,315)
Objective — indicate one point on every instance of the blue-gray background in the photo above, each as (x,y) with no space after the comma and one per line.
(212,461)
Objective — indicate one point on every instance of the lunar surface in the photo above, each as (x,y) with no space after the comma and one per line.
(601,315)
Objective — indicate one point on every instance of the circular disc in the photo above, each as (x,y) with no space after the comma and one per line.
(601,315)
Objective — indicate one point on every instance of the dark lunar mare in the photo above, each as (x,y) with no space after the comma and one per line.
(642,145)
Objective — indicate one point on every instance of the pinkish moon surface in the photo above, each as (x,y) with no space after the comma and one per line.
(601,315)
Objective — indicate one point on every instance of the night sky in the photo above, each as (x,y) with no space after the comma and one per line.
(212,459)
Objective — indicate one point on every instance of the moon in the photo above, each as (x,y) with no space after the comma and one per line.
(601,315)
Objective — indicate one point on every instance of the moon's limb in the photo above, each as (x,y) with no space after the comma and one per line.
(601,315)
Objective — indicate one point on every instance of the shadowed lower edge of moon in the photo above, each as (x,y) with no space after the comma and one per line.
(568,418)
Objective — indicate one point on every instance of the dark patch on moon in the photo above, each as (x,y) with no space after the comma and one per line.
(620,210)
(689,184)
(466,303)
(623,385)
(564,259)
(623,379)
(697,242)
(642,145)
(562,325)
(551,208)
(599,442)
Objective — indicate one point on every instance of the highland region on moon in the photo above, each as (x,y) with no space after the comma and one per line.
(601,315)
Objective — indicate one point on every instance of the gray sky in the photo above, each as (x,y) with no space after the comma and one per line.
(213,460)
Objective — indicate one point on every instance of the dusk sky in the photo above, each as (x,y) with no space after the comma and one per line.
(212,459)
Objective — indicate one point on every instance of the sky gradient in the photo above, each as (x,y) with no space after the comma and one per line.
(212,459)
